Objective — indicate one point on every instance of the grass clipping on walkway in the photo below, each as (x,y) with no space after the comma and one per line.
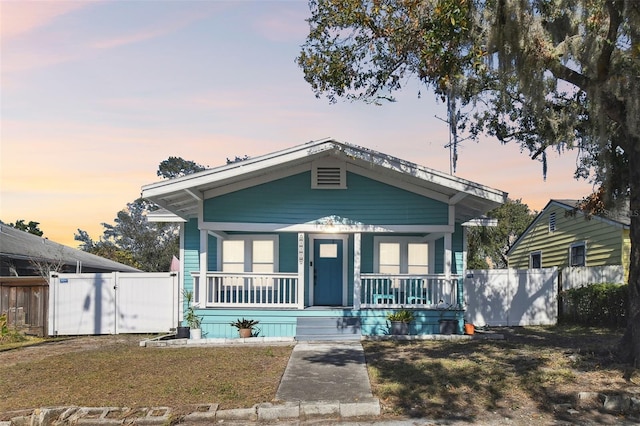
(529,372)
(127,375)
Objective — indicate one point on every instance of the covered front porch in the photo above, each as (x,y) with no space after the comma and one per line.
(286,291)
(277,300)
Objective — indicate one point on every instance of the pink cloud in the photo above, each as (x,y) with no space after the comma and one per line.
(20,17)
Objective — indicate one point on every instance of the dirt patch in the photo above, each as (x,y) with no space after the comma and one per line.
(63,346)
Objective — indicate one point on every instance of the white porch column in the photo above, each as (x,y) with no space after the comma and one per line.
(357,283)
(447,255)
(204,247)
(447,241)
(301,268)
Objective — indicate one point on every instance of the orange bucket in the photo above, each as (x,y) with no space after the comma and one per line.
(469,329)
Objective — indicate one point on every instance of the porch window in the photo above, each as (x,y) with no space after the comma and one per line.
(578,254)
(249,254)
(401,255)
(262,256)
(389,258)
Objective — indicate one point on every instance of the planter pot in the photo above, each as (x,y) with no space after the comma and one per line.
(469,329)
(448,326)
(399,328)
(195,334)
(182,332)
(245,332)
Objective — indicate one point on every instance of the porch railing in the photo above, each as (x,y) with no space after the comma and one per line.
(429,291)
(225,289)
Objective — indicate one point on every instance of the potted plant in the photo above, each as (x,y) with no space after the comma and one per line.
(400,321)
(245,327)
(190,317)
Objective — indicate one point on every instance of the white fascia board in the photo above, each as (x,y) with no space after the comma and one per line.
(322,228)
(237,169)
(481,221)
(165,218)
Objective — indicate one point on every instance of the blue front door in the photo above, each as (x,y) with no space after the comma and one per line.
(327,272)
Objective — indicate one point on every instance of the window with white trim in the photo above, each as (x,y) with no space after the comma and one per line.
(578,254)
(535,260)
(401,255)
(250,253)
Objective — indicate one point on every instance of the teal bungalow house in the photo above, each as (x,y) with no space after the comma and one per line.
(325,237)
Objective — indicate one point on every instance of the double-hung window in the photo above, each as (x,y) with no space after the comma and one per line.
(578,254)
(401,255)
(255,254)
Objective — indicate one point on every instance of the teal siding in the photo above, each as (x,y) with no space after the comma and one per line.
(288,254)
(212,254)
(282,323)
(457,247)
(291,200)
(366,253)
(439,266)
(191,249)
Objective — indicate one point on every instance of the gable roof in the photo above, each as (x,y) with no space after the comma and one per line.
(181,196)
(613,218)
(20,245)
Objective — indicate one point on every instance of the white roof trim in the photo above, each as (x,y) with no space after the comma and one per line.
(170,194)
(321,227)
(481,221)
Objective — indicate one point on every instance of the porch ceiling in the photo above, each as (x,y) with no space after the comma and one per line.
(181,196)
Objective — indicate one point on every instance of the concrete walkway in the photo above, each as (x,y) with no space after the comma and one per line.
(329,374)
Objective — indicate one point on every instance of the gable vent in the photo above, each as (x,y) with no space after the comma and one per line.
(327,176)
(552,222)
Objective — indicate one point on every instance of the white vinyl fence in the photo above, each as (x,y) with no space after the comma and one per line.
(579,276)
(510,297)
(113,303)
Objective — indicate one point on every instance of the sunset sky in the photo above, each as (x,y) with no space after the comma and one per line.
(95,94)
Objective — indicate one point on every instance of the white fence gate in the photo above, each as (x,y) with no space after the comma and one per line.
(113,303)
(511,297)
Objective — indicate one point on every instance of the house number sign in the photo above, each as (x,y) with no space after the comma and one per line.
(300,249)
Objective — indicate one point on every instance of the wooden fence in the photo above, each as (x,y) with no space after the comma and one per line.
(25,300)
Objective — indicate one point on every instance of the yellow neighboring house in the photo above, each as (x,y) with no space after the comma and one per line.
(563,236)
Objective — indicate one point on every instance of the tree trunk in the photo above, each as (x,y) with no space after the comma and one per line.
(630,343)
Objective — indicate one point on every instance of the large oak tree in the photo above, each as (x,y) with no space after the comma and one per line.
(547,74)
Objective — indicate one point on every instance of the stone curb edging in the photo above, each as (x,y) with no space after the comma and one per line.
(156,342)
(205,413)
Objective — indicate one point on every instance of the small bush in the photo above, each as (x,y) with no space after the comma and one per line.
(8,335)
(603,304)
